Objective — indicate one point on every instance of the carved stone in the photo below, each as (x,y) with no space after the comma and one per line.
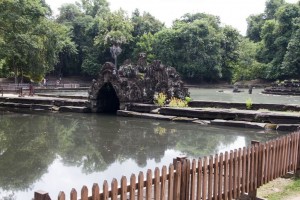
(133,83)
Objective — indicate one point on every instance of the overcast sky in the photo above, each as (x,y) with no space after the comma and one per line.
(231,12)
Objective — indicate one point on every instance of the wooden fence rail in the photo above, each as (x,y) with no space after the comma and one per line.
(223,176)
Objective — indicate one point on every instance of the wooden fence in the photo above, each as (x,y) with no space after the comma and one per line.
(223,176)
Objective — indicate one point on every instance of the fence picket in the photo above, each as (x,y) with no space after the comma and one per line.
(244,170)
(204,183)
(221,174)
(114,189)
(84,193)
(226,168)
(216,176)
(141,186)
(183,179)
(105,194)
(239,172)
(188,174)
(156,184)
(163,183)
(123,188)
(132,187)
(149,185)
(235,168)
(231,175)
(177,181)
(61,196)
(95,192)
(193,180)
(199,180)
(210,177)
(248,180)
(73,194)
(171,182)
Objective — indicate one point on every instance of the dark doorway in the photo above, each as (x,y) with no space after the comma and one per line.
(107,100)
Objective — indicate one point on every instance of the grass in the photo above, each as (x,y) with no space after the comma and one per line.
(291,190)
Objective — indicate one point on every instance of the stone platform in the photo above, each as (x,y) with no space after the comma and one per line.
(266,120)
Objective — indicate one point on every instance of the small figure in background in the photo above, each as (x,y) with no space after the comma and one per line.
(31,90)
(250,89)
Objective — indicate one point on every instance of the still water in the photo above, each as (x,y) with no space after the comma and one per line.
(219,95)
(60,151)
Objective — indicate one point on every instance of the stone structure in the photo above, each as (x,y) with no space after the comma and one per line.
(133,83)
(287,87)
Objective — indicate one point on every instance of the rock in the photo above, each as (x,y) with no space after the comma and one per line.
(74,109)
(202,122)
(184,119)
(125,113)
(242,124)
(288,127)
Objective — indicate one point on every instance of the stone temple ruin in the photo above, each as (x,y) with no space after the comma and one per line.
(133,83)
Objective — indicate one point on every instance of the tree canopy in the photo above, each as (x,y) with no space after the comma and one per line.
(33,43)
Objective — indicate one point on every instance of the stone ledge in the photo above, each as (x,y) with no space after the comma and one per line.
(241,124)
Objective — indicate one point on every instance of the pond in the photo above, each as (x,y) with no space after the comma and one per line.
(218,95)
(61,151)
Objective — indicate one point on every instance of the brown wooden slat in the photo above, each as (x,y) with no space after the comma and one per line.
(149,185)
(276,150)
(256,154)
(293,143)
(156,184)
(84,193)
(61,196)
(244,170)
(235,168)
(105,194)
(284,154)
(205,176)
(267,163)
(193,180)
(199,179)
(280,157)
(290,154)
(73,194)
(216,177)
(132,187)
(114,189)
(248,180)
(123,188)
(226,180)
(177,181)
(163,183)
(141,186)
(210,177)
(221,173)
(273,159)
(239,172)
(95,192)
(252,169)
(171,182)
(188,174)
(183,180)
(230,186)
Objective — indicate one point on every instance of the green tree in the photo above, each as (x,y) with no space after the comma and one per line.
(31,41)
(229,45)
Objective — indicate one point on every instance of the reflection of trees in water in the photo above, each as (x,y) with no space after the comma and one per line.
(26,152)
(29,144)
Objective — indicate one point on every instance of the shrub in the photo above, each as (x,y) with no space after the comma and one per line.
(249,103)
(175,102)
(160,99)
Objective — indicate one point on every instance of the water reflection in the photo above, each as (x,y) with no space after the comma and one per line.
(56,152)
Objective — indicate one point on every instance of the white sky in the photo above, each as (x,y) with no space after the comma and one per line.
(231,12)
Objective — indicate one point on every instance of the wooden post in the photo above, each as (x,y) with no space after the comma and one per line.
(41,195)
(253,194)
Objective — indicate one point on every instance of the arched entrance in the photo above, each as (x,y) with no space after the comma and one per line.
(107,100)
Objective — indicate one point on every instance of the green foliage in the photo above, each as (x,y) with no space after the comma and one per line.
(160,99)
(249,103)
